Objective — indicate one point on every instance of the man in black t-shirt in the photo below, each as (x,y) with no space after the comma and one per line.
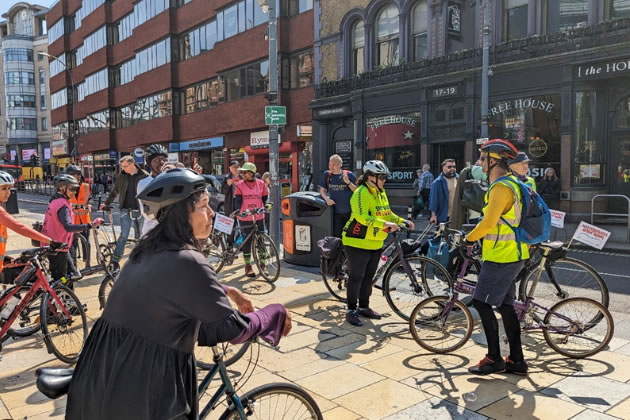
(336,187)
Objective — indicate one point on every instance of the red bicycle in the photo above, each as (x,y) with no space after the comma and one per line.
(61,315)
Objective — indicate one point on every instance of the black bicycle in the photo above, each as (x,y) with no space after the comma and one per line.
(221,252)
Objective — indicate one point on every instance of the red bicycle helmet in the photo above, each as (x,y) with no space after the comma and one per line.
(500,149)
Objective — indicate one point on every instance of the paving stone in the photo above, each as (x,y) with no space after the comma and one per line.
(621,410)
(527,405)
(594,392)
(363,352)
(381,399)
(340,413)
(593,415)
(435,409)
(4,412)
(303,339)
(392,366)
(335,343)
(339,381)
(311,368)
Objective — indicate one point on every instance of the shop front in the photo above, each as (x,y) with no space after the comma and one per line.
(288,159)
(105,163)
(208,153)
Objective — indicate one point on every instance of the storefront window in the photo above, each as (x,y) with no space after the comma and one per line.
(562,15)
(395,139)
(532,124)
(237,154)
(589,163)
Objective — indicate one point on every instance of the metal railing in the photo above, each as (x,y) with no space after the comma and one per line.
(626,215)
(47,188)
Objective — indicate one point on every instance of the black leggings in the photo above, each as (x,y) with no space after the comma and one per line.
(491,329)
(362,264)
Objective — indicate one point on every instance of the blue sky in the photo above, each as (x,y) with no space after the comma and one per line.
(7,4)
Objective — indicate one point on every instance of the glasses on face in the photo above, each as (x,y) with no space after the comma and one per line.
(382,177)
(73,189)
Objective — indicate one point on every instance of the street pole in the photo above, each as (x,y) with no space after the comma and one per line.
(484,71)
(274,218)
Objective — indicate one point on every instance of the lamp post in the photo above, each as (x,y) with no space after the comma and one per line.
(74,121)
(484,70)
(269,6)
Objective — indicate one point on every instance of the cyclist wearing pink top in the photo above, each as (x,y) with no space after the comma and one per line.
(250,194)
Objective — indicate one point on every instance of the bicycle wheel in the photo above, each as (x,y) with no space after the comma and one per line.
(338,285)
(403,293)
(276,401)
(27,321)
(562,279)
(569,329)
(213,250)
(437,331)
(106,287)
(266,256)
(231,354)
(80,253)
(106,247)
(63,336)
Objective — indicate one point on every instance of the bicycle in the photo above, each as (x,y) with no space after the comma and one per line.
(443,324)
(266,401)
(61,316)
(265,252)
(407,278)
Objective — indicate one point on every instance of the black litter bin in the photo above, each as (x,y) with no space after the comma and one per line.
(12,204)
(307,219)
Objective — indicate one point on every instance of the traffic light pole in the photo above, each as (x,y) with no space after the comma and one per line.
(484,70)
(274,219)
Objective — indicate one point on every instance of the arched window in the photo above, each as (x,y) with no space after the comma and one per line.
(387,36)
(419,31)
(358,48)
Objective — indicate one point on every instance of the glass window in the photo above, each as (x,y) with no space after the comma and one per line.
(395,139)
(42,101)
(56,31)
(92,43)
(249,8)
(515,19)
(242,18)
(211,34)
(259,16)
(59,99)
(387,31)
(419,31)
(58,65)
(230,21)
(233,85)
(19,78)
(220,26)
(358,48)
(44,124)
(42,79)
(298,70)
(93,83)
(17,54)
(562,15)
(619,9)
(22,124)
(589,146)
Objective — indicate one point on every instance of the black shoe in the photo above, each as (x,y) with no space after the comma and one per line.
(368,313)
(353,318)
(517,368)
(487,366)
(114,266)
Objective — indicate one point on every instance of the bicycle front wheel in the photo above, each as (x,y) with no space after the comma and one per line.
(562,279)
(276,401)
(64,336)
(80,253)
(440,324)
(213,250)
(204,358)
(403,293)
(266,256)
(106,287)
(569,330)
(338,285)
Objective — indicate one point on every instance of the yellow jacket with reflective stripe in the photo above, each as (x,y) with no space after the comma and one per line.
(500,244)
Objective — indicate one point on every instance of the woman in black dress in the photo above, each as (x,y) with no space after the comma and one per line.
(138,360)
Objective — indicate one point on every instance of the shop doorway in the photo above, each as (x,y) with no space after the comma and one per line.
(621,163)
(449,150)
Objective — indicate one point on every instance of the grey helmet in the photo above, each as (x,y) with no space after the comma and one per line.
(64,179)
(73,170)
(155,150)
(6,178)
(376,167)
(170,187)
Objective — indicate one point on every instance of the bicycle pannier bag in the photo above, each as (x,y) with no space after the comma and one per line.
(331,257)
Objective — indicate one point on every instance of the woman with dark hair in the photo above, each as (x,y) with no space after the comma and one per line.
(549,187)
(138,360)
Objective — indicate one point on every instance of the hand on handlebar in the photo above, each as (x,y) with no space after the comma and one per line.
(54,245)
(391,227)
(98,221)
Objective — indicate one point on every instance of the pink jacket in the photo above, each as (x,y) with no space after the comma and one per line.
(52,225)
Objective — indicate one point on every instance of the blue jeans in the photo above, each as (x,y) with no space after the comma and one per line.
(127,218)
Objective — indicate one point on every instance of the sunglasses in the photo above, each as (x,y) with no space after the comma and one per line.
(74,189)
(382,177)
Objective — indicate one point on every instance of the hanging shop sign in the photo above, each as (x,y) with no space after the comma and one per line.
(521,104)
(305,130)
(609,68)
(60,147)
(201,144)
(332,112)
(454,27)
(260,139)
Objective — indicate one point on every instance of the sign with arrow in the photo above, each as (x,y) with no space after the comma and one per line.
(276,115)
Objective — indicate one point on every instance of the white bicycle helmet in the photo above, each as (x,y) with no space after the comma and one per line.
(6,178)
(376,167)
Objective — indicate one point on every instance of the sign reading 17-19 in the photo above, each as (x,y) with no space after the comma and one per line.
(276,115)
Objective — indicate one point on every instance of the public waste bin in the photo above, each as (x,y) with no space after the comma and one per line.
(307,219)
(12,204)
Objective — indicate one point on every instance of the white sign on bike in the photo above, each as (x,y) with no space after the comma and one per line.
(591,235)
(557,218)
(223,223)
(303,238)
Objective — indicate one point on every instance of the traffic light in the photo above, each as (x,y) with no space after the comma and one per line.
(36,160)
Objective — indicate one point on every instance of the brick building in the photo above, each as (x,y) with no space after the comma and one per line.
(400,80)
(190,74)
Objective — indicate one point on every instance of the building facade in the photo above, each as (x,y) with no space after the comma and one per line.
(24,91)
(189,74)
(400,80)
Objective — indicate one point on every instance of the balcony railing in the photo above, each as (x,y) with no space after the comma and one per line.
(602,34)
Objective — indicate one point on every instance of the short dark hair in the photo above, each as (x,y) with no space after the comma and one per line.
(235,163)
(445,161)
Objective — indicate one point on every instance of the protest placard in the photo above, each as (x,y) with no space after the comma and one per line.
(591,235)
(223,223)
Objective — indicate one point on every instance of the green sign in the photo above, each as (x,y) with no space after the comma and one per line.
(276,115)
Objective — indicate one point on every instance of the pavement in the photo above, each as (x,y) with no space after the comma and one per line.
(376,371)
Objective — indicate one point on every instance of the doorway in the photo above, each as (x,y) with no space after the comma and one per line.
(448,150)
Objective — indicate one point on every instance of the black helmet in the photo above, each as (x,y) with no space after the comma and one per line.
(155,150)
(73,170)
(64,179)
(170,187)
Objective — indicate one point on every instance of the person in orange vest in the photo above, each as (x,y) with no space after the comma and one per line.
(81,207)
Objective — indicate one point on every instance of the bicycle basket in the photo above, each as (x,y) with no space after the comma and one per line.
(331,257)
(38,227)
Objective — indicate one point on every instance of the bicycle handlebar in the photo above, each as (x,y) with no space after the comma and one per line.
(249,212)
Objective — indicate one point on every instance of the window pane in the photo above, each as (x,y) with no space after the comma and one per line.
(259,16)
(220,26)
(420,47)
(620,8)
(241,17)
(357,61)
(211,34)
(358,35)
(230,21)
(588,147)
(420,18)
(305,5)
(249,6)
(515,19)
(387,52)
(563,15)
(387,23)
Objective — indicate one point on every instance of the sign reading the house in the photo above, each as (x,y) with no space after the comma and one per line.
(454,28)
(444,91)
(606,69)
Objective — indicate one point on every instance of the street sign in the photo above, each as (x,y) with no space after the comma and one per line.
(276,115)
(481,140)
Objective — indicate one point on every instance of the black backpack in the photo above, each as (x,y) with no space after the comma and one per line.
(331,256)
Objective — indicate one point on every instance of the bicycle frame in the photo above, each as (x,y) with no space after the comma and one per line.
(225,388)
(32,268)
(251,233)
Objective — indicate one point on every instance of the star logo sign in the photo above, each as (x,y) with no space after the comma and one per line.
(408,135)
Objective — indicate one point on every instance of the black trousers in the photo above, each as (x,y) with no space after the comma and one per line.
(58,265)
(246,227)
(491,329)
(362,265)
(426,193)
(339,221)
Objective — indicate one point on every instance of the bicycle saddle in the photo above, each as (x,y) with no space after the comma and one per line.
(51,384)
(54,371)
(552,245)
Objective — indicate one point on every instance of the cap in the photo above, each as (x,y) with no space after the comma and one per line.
(522,157)
(235,163)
